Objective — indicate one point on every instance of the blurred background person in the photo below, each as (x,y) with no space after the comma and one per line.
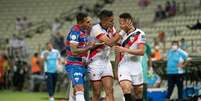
(35,71)
(156,54)
(183,44)
(51,57)
(176,61)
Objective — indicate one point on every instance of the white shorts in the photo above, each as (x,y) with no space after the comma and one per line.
(131,72)
(99,69)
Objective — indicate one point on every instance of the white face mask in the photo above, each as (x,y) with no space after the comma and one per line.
(174,47)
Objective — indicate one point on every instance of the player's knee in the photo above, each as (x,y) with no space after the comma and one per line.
(126,87)
(96,92)
(79,88)
(109,91)
(138,92)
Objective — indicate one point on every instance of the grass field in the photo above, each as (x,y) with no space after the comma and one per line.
(28,96)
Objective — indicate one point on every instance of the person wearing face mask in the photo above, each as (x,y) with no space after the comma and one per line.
(176,61)
(50,57)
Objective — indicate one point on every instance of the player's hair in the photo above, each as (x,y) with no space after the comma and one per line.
(175,42)
(104,14)
(80,17)
(126,16)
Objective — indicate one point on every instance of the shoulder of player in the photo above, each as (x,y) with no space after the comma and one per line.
(139,31)
(96,27)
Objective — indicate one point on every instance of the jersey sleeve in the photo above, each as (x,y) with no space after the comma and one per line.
(141,39)
(74,37)
(96,32)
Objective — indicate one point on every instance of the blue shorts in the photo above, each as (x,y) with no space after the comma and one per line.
(76,74)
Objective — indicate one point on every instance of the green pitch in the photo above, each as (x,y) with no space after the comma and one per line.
(28,96)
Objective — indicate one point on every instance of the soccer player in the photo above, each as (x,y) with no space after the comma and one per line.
(100,68)
(51,57)
(77,47)
(131,50)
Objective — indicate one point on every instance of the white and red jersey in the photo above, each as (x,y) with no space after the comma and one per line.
(102,52)
(100,65)
(130,67)
(132,41)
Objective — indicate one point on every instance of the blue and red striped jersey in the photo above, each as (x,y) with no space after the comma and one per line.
(79,36)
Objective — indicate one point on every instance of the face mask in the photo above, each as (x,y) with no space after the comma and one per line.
(174,47)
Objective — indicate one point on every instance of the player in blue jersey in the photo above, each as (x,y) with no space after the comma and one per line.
(77,47)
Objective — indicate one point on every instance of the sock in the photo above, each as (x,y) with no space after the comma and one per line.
(138,99)
(80,96)
(127,97)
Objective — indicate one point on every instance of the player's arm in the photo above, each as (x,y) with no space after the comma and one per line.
(116,38)
(74,43)
(104,39)
(139,51)
(75,50)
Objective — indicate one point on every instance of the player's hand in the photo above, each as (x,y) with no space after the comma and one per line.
(130,24)
(91,45)
(118,48)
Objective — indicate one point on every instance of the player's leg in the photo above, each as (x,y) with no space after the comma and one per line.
(108,87)
(125,82)
(126,87)
(77,77)
(96,87)
(107,80)
(138,86)
(70,77)
(95,77)
(71,92)
(138,92)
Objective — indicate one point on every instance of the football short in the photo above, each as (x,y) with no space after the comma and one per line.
(99,69)
(76,74)
(131,72)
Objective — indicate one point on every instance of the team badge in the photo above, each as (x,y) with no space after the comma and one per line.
(73,37)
